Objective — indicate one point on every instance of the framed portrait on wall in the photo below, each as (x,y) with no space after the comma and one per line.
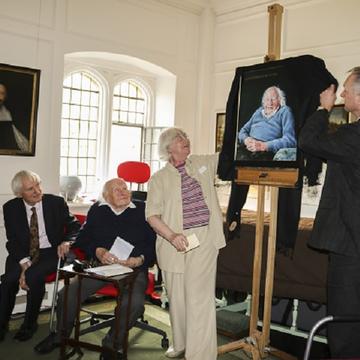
(267,126)
(19,97)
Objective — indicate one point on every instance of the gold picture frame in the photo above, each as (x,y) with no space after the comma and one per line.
(19,97)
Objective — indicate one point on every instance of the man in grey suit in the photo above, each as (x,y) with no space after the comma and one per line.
(337,223)
(26,269)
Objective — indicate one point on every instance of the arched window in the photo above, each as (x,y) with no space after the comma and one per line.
(79,128)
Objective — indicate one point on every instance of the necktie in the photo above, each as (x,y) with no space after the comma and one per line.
(34,236)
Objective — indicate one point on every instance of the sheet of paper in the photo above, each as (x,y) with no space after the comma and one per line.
(193,242)
(110,270)
(121,249)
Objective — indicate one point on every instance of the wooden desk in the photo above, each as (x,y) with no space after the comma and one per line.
(119,282)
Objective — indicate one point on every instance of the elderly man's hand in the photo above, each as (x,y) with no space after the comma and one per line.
(63,249)
(132,262)
(260,146)
(22,279)
(105,257)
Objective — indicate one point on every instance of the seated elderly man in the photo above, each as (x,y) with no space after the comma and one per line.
(34,224)
(115,216)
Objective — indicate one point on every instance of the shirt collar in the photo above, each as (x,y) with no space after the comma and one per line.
(28,207)
(104,203)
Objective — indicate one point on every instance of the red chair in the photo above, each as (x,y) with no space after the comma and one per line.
(139,173)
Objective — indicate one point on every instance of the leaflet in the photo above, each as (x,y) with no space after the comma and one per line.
(121,249)
(110,270)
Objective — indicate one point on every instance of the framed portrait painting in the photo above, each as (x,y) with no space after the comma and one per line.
(267,126)
(19,97)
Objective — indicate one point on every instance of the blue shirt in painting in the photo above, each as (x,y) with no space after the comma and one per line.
(276,130)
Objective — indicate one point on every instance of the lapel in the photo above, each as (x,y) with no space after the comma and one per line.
(22,216)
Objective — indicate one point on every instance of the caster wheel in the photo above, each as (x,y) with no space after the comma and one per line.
(164,343)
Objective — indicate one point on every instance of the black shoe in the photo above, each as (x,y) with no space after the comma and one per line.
(48,344)
(108,355)
(25,333)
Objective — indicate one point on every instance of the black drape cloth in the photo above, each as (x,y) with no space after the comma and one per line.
(310,78)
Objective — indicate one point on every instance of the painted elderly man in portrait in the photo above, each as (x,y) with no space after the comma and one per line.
(270,132)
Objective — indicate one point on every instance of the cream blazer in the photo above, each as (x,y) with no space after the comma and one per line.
(164,200)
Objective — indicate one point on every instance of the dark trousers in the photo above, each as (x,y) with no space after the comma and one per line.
(88,288)
(344,299)
(35,279)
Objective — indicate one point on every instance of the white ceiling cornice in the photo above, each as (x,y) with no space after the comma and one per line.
(193,6)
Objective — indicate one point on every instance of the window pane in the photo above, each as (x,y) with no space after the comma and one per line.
(85,98)
(132,90)
(124,104)
(94,99)
(116,103)
(74,111)
(72,169)
(117,90)
(83,148)
(140,106)
(125,146)
(84,113)
(93,113)
(75,97)
(84,129)
(85,83)
(92,130)
(123,116)
(82,166)
(132,117)
(115,116)
(67,82)
(91,166)
(92,148)
(73,147)
(132,105)
(74,128)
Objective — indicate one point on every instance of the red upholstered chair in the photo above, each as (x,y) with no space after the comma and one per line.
(139,173)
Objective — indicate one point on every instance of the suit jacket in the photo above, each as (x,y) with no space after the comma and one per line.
(60,225)
(337,222)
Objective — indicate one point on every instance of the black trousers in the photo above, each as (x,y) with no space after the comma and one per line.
(35,279)
(88,288)
(344,299)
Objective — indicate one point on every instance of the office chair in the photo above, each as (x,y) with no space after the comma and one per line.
(139,173)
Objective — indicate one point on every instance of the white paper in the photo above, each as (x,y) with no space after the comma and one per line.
(110,270)
(193,243)
(121,249)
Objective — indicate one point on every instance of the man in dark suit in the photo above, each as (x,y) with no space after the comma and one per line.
(337,223)
(115,216)
(39,229)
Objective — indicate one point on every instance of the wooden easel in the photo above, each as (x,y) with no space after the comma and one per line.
(258,341)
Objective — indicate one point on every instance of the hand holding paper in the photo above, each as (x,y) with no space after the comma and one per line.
(121,249)
(193,243)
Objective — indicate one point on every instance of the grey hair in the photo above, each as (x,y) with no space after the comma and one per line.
(280,93)
(17,181)
(355,71)
(166,138)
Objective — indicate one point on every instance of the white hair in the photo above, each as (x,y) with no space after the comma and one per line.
(280,93)
(355,71)
(166,139)
(17,181)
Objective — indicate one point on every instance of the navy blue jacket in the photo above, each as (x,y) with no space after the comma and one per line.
(102,226)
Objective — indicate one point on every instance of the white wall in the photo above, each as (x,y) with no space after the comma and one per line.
(324,28)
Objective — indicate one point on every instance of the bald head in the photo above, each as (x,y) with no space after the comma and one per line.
(116,193)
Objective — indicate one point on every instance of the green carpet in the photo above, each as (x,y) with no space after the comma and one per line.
(143,345)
